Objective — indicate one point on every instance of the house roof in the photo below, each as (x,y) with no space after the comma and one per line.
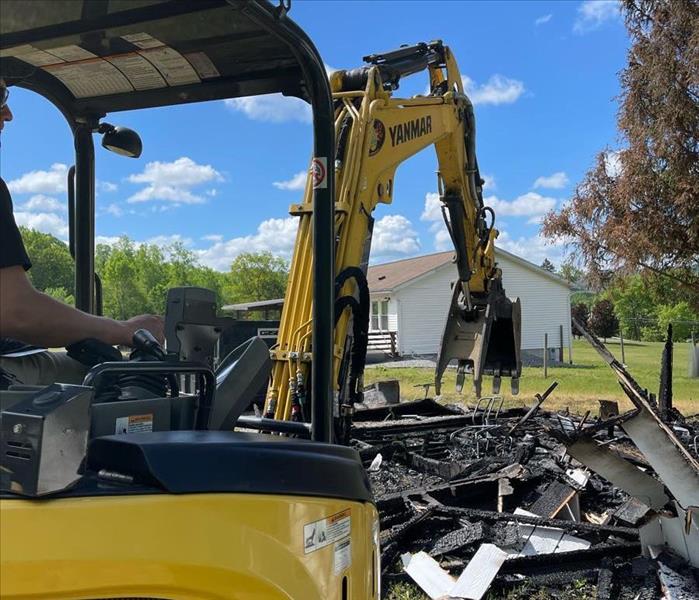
(389,276)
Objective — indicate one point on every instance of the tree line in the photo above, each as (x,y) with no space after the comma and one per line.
(639,306)
(136,276)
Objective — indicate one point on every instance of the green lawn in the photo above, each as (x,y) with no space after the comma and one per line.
(579,385)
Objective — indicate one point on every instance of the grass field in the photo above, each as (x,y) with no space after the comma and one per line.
(579,385)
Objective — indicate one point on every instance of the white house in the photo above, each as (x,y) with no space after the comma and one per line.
(411,297)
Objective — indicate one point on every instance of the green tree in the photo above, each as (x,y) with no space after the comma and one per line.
(256,276)
(137,277)
(634,305)
(603,321)
(547,265)
(61,294)
(571,273)
(52,265)
(684,320)
(123,294)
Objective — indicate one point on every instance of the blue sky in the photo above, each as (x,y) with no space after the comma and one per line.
(220,176)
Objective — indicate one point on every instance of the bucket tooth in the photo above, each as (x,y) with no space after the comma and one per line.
(497,381)
(460,376)
(514,384)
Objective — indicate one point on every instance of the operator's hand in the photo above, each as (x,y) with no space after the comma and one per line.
(153,323)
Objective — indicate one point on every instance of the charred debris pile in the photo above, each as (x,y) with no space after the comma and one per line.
(478,501)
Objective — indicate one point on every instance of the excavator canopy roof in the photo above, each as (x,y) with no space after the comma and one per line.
(93,57)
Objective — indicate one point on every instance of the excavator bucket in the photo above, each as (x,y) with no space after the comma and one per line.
(485,340)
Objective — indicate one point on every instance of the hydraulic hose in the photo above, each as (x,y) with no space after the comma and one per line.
(360,329)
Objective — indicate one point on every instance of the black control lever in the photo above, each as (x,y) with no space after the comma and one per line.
(144,341)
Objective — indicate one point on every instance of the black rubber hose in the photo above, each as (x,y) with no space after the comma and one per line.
(361,321)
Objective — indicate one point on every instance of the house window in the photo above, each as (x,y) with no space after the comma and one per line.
(379,315)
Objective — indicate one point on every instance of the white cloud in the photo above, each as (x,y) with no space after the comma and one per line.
(166,193)
(433,208)
(106,186)
(556,181)
(115,210)
(433,214)
(497,90)
(274,235)
(534,249)
(394,236)
(273,108)
(168,240)
(214,237)
(45,222)
(52,181)
(172,181)
(488,182)
(543,19)
(442,240)
(109,240)
(612,163)
(42,203)
(593,13)
(297,182)
(526,205)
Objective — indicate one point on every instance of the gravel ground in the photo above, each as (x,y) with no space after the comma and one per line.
(404,364)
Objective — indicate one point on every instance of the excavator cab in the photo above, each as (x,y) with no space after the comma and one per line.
(133,485)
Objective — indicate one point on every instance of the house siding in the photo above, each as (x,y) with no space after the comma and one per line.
(422,308)
(545,305)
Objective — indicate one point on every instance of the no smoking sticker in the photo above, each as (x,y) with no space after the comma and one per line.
(322,533)
(319,169)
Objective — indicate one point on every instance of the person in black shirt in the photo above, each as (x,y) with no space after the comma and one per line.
(28,316)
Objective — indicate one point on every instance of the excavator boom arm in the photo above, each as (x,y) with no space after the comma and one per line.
(375,133)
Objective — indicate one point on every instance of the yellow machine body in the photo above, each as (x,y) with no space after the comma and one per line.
(186,547)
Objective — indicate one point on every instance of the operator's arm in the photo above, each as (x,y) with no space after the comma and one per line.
(35,318)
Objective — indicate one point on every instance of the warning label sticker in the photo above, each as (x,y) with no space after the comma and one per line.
(16,50)
(319,169)
(172,65)
(91,78)
(142,40)
(71,53)
(327,531)
(142,74)
(134,424)
(203,65)
(38,58)
(342,556)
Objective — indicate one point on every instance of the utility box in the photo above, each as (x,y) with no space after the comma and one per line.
(44,439)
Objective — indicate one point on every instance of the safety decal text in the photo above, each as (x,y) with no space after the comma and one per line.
(327,531)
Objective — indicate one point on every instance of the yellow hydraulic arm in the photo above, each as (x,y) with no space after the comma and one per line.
(375,133)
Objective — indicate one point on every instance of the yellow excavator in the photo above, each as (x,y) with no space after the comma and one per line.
(375,133)
(135,484)
(139,483)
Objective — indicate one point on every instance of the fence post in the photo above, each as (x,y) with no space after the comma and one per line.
(621,340)
(546,355)
(392,335)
